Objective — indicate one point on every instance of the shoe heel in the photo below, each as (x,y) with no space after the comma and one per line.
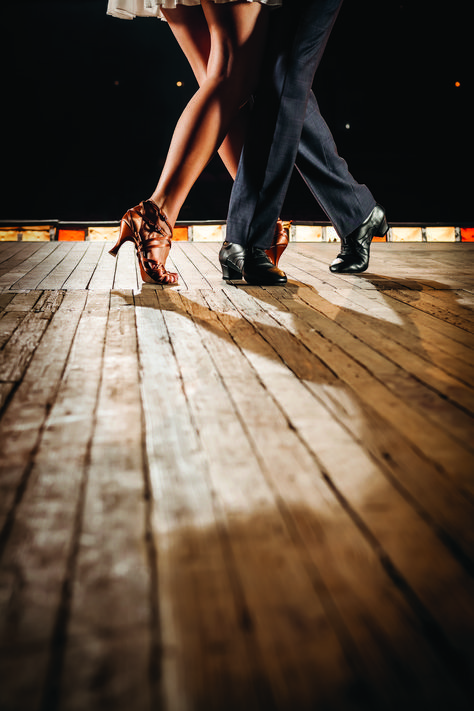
(229,273)
(382,228)
(280,243)
(126,235)
(274,253)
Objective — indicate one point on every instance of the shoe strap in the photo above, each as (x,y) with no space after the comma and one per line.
(144,247)
(147,243)
(158,214)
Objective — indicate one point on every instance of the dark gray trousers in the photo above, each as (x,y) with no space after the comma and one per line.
(287,128)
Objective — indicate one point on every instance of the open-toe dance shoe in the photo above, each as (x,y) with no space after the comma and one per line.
(141,225)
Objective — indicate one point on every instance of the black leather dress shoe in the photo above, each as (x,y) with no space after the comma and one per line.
(231,257)
(258,269)
(354,255)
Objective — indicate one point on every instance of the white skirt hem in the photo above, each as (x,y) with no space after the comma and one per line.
(129,9)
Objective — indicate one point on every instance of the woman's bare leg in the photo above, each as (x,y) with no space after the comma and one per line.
(195,41)
(237,37)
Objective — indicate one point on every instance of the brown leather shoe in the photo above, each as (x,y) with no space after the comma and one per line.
(141,225)
(280,243)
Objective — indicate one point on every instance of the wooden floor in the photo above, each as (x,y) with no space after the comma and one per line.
(223,497)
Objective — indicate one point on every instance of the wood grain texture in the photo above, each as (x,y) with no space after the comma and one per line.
(217,496)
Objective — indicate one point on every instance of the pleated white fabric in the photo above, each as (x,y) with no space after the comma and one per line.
(128,9)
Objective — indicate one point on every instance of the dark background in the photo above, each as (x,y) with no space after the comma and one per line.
(89,103)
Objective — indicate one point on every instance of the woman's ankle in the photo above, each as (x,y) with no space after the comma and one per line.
(164,207)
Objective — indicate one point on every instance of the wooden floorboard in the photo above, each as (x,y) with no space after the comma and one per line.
(223,497)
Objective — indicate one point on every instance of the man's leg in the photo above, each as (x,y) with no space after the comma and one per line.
(346,202)
(297,42)
(349,205)
(282,131)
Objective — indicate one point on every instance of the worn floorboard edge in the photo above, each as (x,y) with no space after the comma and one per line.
(216,496)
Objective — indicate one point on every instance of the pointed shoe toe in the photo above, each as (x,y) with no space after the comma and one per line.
(259,270)
(355,254)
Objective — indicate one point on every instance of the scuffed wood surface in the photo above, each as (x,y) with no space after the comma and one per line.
(217,496)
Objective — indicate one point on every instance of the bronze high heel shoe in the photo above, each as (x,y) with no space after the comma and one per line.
(280,243)
(140,225)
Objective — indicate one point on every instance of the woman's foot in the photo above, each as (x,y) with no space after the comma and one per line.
(280,243)
(148,228)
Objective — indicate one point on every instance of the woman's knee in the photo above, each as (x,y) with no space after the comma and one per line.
(237,32)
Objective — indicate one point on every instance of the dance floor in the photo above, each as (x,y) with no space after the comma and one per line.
(221,497)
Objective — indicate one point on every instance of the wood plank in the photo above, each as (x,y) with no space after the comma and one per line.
(340,351)
(24,418)
(447,337)
(206,257)
(464,299)
(372,610)
(7,250)
(109,636)
(423,302)
(11,278)
(440,301)
(82,274)
(9,321)
(456,302)
(16,355)
(193,278)
(30,586)
(368,329)
(38,575)
(192,261)
(288,672)
(333,449)
(193,573)
(13,253)
(435,497)
(382,508)
(217,496)
(31,272)
(23,301)
(394,321)
(392,261)
(61,272)
(16,307)
(230,495)
(104,273)
(443,340)
(5,299)
(126,272)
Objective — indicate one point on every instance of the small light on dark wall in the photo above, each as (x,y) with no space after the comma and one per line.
(179,83)
(457,84)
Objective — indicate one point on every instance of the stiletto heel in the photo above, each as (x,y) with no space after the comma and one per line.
(140,225)
(126,235)
(280,243)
